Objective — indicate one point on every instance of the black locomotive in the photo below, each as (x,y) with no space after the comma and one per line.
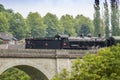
(66,42)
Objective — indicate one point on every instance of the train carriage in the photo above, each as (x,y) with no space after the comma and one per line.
(66,42)
(86,42)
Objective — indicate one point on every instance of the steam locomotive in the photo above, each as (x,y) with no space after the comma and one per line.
(66,42)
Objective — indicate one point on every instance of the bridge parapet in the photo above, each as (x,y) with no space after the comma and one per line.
(43,53)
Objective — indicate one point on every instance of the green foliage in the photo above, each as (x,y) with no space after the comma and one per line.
(18,26)
(36,26)
(2,8)
(52,23)
(85,29)
(1,41)
(67,22)
(4,25)
(115,17)
(64,75)
(81,20)
(14,74)
(105,65)
(97,20)
(106,19)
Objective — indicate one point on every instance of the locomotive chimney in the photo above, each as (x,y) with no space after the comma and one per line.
(81,35)
(99,35)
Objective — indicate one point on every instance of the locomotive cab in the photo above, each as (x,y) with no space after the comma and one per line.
(64,41)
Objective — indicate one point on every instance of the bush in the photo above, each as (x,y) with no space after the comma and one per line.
(105,65)
(14,74)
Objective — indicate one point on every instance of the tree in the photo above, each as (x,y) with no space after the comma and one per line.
(1,41)
(97,20)
(2,8)
(14,74)
(64,75)
(115,17)
(13,23)
(4,25)
(36,26)
(52,24)
(102,27)
(85,29)
(106,19)
(80,21)
(18,26)
(105,65)
(9,10)
(67,22)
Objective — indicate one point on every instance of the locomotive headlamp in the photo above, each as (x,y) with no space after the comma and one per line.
(46,44)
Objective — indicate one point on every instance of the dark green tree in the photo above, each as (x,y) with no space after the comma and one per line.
(97,20)
(2,8)
(85,29)
(1,41)
(36,26)
(18,26)
(115,17)
(67,22)
(106,19)
(4,25)
(82,20)
(9,11)
(52,23)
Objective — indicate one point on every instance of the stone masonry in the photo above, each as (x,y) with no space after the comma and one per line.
(39,64)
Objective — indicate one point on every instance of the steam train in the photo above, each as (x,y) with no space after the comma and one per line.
(66,42)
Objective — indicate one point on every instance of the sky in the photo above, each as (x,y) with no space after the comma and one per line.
(57,7)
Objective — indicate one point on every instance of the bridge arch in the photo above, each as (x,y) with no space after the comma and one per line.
(36,72)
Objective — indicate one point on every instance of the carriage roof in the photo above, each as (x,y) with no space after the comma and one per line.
(86,39)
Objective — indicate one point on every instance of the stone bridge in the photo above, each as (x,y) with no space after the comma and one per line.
(39,64)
